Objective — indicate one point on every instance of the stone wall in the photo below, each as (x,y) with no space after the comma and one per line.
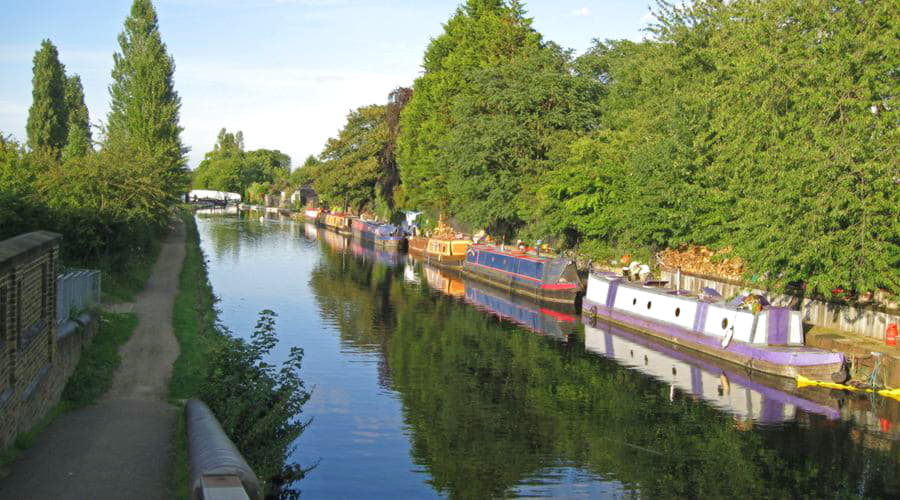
(868,321)
(35,358)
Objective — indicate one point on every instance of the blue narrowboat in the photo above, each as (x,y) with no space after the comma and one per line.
(550,279)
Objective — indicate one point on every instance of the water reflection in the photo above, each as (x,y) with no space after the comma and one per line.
(725,387)
(419,393)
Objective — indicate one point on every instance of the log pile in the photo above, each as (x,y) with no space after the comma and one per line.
(697,259)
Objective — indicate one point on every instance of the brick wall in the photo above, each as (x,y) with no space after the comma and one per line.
(34,360)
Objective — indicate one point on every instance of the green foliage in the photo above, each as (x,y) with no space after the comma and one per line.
(78,140)
(93,375)
(761,126)
(144,107)
(257,404)
(47,125)
(494,111)
(229,168)
(350,167)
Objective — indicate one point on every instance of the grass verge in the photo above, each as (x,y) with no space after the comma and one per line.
(194,321)
(92,377)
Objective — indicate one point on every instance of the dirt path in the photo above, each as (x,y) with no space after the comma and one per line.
(121,447)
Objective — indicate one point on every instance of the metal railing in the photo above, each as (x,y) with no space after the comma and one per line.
(76,290)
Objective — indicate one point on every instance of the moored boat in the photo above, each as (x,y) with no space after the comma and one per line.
(444,248)
(380,234)
(744,331)
(338,222)
(551,279)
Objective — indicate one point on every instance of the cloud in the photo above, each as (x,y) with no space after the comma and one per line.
(582,12)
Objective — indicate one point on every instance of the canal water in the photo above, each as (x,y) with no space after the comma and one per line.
(427,385)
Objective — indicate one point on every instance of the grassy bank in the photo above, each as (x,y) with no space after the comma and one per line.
(194,322)
(92,377)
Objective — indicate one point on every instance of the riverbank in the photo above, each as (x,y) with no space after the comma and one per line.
(194,320)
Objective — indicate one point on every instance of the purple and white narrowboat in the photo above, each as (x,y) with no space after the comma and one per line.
(769,340)
(552,279)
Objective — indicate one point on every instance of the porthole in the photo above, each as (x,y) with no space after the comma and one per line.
(634,301)
(649,304)
(724,323)
(677,312)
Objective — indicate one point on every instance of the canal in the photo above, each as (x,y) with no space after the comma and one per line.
(425,385)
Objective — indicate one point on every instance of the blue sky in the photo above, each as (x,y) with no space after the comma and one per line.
(286,72)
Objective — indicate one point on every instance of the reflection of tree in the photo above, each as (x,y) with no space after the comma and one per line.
(489,406)
(230,235)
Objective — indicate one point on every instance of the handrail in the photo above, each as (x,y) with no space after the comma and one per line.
(212,454)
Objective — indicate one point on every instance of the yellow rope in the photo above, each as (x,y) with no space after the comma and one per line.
(806,382)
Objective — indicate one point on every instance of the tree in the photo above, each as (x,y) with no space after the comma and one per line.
(229,168)
(390,174)
(47,117)
(78,141)
(350,162)
(145,106)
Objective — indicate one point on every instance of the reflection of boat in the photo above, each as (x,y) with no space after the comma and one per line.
(365,251)
(727,389)
(446,283)
(334,240)
(338,222)
(529,314)
(382,235)
(552,279)
(310,231)
(769,340)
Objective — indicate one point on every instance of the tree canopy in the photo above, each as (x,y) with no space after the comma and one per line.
(229,168)
(144,105)
(47,125)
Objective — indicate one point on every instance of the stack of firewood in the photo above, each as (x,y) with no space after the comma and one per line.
(701,260)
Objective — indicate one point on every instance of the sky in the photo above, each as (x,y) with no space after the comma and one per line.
(285,72)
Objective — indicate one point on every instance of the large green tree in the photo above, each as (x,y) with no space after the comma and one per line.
(350,168)
(47,125)
(493,113)
(144,104)
(78,140)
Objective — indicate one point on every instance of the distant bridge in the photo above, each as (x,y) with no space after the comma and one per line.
(210,197)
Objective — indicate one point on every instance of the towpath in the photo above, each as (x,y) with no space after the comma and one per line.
(122,446)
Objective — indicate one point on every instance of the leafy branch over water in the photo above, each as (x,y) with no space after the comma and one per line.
(258,404)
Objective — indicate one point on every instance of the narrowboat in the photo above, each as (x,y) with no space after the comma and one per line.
(550,279)
(338,222)
(761,398)
(382,235)
(416,245)
(444,248)
(746,331)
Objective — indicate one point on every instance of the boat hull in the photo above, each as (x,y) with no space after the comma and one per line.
(784,361)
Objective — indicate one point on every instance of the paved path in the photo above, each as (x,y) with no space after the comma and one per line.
(122,446)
